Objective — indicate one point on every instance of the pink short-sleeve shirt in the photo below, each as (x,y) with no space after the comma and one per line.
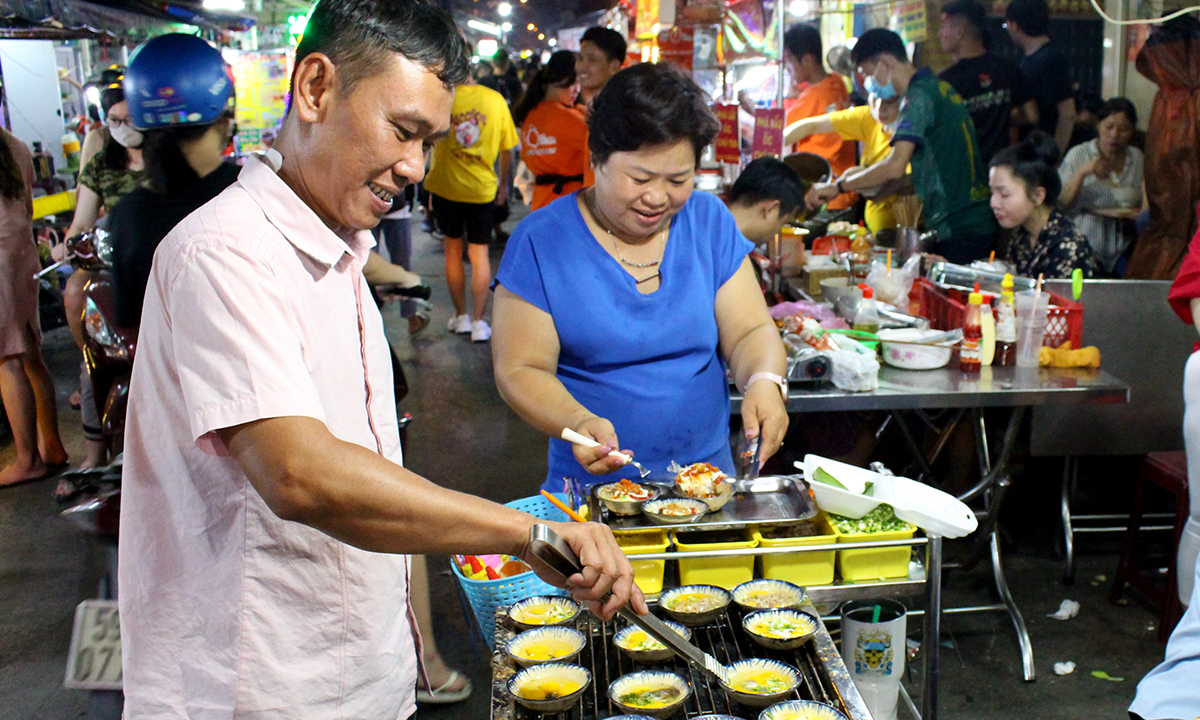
(255,309)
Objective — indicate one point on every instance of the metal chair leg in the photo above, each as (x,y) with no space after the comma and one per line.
(1014,613)
(1070,471)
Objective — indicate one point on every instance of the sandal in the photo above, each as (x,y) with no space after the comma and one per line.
(443,695)
(418,322)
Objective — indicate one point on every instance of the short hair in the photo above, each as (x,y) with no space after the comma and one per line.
(1033,161)
(876,42)
(501,58)
(1118,105)
(1032,16)
(608,40)
(803,39)
(649,104)
(972,12)
(768,178)
(558,70)
(358,36)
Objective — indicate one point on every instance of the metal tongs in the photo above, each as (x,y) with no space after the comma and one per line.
(547,546)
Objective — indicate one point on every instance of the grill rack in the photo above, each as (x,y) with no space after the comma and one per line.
(823,674)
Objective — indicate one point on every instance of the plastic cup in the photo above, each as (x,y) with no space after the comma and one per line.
(1031,325)
(874,647)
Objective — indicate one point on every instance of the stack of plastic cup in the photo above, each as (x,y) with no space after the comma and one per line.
(874,639)
(1032,310)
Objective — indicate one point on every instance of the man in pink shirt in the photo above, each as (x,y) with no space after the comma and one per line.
(266,518)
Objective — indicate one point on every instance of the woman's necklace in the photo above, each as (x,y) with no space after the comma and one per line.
(594,209)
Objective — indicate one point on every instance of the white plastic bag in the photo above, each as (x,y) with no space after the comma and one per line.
(893,287)
(855,367)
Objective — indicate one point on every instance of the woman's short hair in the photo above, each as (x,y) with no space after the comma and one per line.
(1118,105)
(358,36)
(1033,161)
(649,104)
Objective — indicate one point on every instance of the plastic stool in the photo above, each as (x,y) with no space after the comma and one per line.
(1167,470)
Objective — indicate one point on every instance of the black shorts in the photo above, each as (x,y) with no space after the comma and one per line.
(472,221)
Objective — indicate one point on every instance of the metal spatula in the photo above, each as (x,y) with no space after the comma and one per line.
(573,437)
(551,549)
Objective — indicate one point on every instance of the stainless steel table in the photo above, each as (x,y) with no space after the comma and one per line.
(1018,388)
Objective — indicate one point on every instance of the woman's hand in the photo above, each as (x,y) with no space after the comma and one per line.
(597,461)
(606,570)
(764,415)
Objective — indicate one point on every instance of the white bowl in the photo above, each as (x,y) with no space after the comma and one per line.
(557,672)
(743,670)
(569,638)
(913,357)
(721,597)
(801,626)
(802,710)
(562,611)
(652,510)
(658,653)
(649,678)
(755,595)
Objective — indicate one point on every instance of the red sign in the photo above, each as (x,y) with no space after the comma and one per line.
(768,132)
(728,147)
(677,46)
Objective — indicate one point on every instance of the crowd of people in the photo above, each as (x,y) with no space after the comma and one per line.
(257,422)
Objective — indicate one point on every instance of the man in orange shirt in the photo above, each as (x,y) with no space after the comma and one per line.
(821,93)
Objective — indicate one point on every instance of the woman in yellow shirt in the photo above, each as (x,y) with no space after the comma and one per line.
(872,125)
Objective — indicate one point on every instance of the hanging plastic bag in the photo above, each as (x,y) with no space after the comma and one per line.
(855,367)
(893,287)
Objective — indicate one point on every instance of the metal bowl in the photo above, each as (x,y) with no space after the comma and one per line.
(768,595)
(550,673)
(626,507)
(653,510)
(695,618)
(802,710)
(528,613)
(742,675)
(659,652)
(793,628)
(649,679)
(524,651)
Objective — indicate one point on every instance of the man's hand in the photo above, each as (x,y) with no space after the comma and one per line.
(819,194)
(502,194)
(606,583)
(597,461)
(764,415)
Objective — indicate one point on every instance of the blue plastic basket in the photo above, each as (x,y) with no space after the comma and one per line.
(487,595)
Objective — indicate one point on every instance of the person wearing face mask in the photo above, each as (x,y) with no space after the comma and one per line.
(873,125)
(935,134)
(554,135)
(185,161)
(619,308)
(1025,186)
(1103,185)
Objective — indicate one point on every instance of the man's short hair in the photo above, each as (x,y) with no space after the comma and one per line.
(609,41)
(501,59)
(359,36)
(803,39)
(876,42)
(765,179)
(1033,16)
(972,13)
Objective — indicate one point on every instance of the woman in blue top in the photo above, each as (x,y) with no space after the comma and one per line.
(618,307)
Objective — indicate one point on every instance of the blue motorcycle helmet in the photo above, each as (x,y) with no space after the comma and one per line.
(177,80)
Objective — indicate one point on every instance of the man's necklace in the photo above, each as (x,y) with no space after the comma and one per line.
(617,250)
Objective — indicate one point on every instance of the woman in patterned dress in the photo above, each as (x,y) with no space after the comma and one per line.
(25,385)
(1024,187)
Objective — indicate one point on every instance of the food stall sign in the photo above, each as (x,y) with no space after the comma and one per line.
(677,46)
(768,132)
(728,148)
(908,20)
(653,17)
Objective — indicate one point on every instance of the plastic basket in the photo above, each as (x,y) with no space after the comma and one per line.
(946,312)
(485,596)
(726,572)
(801,568)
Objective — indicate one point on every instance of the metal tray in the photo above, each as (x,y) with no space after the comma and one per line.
(824,675)
(767,500)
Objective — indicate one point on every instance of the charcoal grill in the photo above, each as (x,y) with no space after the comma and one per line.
(824,676)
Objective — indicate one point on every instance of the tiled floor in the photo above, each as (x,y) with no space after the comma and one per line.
(464,437)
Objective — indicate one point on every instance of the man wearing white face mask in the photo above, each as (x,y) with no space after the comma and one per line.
(936,136)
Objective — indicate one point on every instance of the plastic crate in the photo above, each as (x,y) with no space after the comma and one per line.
(947,312)
(874,563)
(485,596)
(801,568)
(726,572)
(648,574)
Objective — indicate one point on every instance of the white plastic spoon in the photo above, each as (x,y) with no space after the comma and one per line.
(573,437)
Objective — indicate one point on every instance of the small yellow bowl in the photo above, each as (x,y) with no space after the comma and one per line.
(640,647)
(545,645)
(671,691)
(780,629)
(550,688)
(543,610)
(759,682)
(695,605)
(768,594)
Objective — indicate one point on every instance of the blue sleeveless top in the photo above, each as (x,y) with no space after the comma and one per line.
(650,364)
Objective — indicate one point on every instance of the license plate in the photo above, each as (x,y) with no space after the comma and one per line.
(94,662)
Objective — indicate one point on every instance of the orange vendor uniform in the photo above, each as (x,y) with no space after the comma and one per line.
(822,98)
(554,146)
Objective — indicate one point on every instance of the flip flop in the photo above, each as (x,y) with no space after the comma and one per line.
(443,695)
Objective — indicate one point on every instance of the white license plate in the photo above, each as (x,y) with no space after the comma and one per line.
(94,662)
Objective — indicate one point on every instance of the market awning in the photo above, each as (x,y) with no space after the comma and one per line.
(134,19)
